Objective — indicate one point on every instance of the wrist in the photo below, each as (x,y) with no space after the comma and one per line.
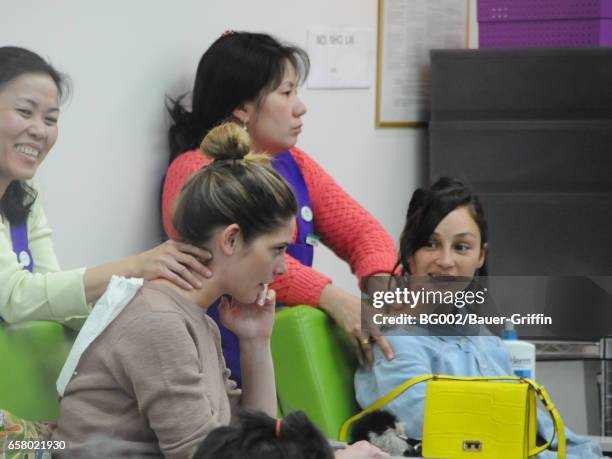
(129,268)
(325,300)
(255,351)
(331,296)
(260,342)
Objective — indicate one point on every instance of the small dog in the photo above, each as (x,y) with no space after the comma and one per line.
(383,430)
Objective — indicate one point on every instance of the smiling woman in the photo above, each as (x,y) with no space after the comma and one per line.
(443,247)
(32,287)
(28,126)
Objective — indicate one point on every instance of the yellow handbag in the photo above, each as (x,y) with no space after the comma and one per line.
(478,417)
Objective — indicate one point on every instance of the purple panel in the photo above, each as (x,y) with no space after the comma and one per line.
(529,10)
(543,34)
(605,34)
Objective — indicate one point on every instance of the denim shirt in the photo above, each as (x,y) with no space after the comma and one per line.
(483,355)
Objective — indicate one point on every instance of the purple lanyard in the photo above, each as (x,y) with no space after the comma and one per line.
(19,238)
(286,166)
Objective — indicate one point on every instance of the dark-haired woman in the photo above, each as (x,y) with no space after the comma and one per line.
(442,248)
(253,79)
(32,287)
(259,436)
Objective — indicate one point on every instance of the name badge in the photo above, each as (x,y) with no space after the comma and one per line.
(24,259)
(312,239)
(306,213)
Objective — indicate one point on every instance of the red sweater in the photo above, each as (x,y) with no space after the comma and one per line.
(340,222)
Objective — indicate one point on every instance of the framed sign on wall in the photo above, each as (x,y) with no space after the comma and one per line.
(407,30)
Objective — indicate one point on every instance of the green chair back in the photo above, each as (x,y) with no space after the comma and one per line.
(31,357)
(314,364)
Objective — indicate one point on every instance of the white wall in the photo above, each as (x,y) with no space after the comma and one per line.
(100,183)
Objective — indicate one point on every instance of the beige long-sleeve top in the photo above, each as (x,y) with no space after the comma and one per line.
(153,384)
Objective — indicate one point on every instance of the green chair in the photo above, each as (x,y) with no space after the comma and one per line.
(31,357)
(314,364)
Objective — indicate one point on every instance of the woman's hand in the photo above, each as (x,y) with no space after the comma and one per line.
(174,261)
(345,309)
(249,321)
(361,450)
(252,324)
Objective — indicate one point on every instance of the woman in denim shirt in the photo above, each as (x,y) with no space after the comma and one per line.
(443,247)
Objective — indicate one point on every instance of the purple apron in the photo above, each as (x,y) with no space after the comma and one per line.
(286,166)
(19,239)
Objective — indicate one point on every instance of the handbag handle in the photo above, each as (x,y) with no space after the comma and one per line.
(539,390)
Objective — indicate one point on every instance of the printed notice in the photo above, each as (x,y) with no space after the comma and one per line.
(409,29)
(340,57)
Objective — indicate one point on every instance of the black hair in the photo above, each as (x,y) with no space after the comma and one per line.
(239,186)
(255,437)
(238,67)
(17,200)
(428,207)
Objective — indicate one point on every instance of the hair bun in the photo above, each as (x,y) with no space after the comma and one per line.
(226,141)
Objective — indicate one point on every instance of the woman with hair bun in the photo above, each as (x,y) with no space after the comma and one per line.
(32,286)
(154,381)
(253,79)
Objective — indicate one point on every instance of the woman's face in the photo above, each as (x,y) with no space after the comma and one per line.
(453,253)
(29,110)
(274,123)
(256,263)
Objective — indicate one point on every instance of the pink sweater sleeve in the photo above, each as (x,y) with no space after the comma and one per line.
(300,284)
(368,251)
(343,225)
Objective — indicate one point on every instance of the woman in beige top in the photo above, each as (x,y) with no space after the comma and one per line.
(154,382)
